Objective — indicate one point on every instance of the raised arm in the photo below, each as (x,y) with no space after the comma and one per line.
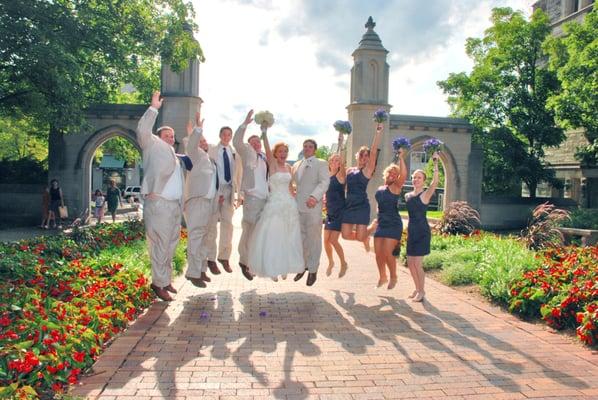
(194,135)
(371,166)
(429,192)
(145,137)
(269,155)
(239,135)
(403,167)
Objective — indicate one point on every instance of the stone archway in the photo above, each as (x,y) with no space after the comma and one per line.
(87,151)
(452,181)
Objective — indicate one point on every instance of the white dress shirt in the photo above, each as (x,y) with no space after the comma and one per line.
(220,164)
(260,188)
(173,190)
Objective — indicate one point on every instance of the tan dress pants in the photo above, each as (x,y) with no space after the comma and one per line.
(224,215)
(311,234)
(252,209)
(198,213)
(162,229)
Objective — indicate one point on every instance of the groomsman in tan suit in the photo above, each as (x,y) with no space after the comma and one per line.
(254,187)
(228,178)
(311,179)
(162,189)
(201,188)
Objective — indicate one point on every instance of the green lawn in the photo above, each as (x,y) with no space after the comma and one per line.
(429,214)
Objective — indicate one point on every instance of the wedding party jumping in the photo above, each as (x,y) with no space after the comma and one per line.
(285,208)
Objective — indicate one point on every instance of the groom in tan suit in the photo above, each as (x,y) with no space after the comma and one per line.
(228,177)
(201,189)
(311,180)
(254,187)
(162,190)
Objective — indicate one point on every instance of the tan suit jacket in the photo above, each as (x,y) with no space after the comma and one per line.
(314,182)
(159,159)
(248,161)
(199,179)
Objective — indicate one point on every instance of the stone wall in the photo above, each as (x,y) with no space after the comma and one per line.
(503,213)
(21,204)
(564,154)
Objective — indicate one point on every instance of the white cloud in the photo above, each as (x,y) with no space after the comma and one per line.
(293,57)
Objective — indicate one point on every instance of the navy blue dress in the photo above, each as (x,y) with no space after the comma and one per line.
(390,224)
(335,205)
(418,230)
(357,210)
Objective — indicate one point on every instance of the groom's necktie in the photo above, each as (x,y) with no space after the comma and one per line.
(226,165)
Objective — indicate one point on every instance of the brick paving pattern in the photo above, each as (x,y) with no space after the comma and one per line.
(340,339)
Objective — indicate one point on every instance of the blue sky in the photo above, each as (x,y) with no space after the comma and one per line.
(293,57)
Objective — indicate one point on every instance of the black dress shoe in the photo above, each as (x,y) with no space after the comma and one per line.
(171,289)
(161,293)
(213,267)
(311,278)
(205,277)
(245,271)
(226,265)
(197,282)
(299,276)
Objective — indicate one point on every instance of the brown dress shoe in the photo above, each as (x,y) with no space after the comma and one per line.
(245,271)
(299,276)
(226,266)
(311,278)
(161,293)
(171,289)
(205,277)
(197,282)
(213,267)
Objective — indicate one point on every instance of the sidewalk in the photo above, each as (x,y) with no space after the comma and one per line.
(340,339)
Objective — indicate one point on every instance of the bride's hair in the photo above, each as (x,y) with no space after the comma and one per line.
(278,146)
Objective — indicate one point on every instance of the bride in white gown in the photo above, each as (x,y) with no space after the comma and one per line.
(276,248)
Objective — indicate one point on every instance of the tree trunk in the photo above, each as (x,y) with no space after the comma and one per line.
(56,150)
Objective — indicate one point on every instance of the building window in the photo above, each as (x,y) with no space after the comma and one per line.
(418,160)
(567,189)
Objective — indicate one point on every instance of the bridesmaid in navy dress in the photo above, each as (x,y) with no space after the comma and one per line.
(390,226)
(335,205)
(357,206)
(418,230)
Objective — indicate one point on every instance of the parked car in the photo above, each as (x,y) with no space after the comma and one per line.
(132,193)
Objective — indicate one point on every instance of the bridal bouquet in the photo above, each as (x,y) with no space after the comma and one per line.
(264,119)
(399,143)
(380,115)
(343,127)
(433,145)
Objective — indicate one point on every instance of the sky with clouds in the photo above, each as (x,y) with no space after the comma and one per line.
(293,58)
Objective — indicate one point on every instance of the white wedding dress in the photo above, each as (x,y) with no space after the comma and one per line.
(276,246)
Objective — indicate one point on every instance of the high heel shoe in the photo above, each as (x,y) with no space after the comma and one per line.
(419,297)
(329,269)
(381,282)
(412,295)
(343,271)
(392,283)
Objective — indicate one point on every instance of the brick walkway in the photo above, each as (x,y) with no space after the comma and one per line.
(340,339)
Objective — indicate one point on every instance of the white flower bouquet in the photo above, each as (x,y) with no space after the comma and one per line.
(265,119)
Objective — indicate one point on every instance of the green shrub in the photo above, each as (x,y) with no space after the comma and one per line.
(455,273)
(434,261)
(582,218)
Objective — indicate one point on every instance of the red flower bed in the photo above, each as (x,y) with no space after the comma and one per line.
(57,311)
(564,291)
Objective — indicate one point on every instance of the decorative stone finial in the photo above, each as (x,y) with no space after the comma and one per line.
(370,24)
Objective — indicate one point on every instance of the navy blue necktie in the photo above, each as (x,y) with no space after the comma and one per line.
(186,161)
(226,165)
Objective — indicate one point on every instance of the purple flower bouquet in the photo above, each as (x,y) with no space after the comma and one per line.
(400,143)
(343,127)
(380,115)
(433,145)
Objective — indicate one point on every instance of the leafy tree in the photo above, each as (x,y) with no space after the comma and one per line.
(121,149)
(58,57)
(21,138)
(505,97)
(574,57)
(323,152)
